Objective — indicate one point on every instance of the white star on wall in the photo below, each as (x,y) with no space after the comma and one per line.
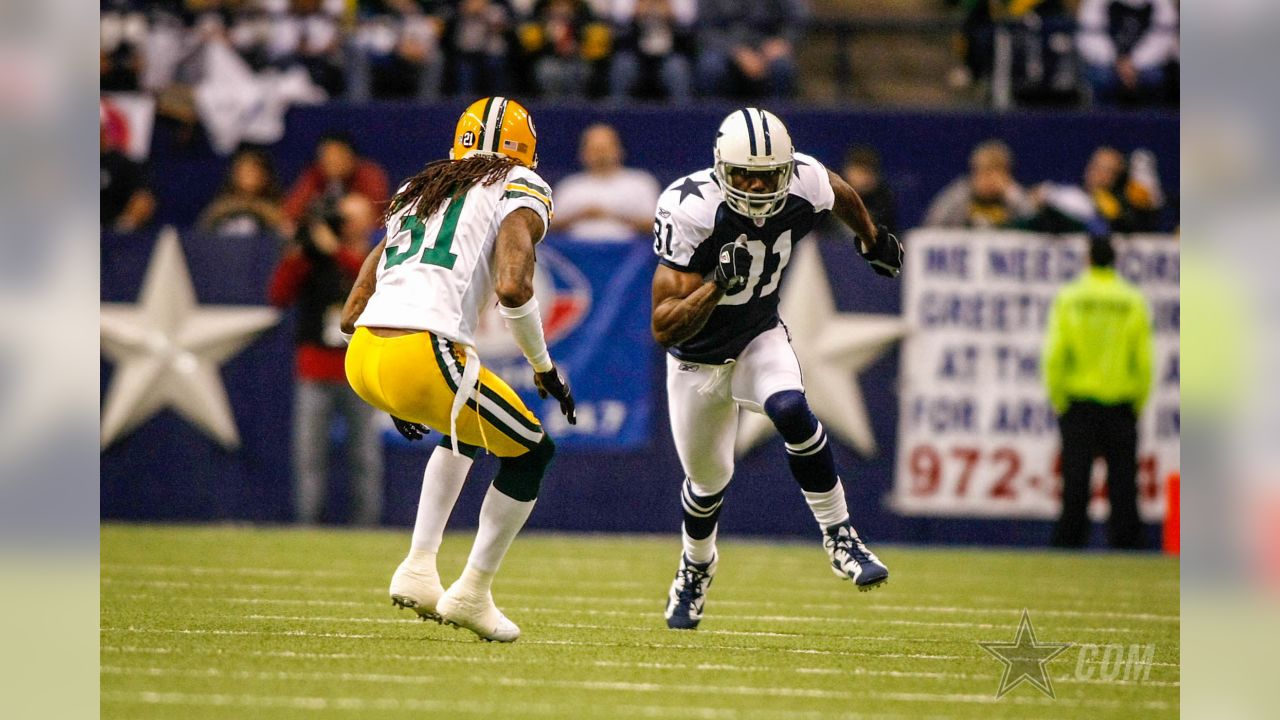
(833,347)
(168,350)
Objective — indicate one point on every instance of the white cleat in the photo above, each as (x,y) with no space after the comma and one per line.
(464,607)
(416,586)
(851,560)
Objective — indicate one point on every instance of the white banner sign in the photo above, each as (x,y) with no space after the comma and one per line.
(977,436)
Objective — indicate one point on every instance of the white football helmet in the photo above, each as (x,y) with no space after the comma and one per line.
(756,141)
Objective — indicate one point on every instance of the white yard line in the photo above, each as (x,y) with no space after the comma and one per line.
(745,633)
(853,605)
(245,587)
(505,681)
(218,570)
(808,619)
(598,685)
(630,665)
(272,633)
(646,628)
(1019,700)
(351,704)
(526,641)
(579,600)
(1141,596)
(249,600)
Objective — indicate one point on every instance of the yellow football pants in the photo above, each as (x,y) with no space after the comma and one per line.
(415,377)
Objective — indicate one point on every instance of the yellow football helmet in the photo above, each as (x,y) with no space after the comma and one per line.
(496,126)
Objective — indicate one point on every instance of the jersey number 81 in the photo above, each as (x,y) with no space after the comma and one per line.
(759,253)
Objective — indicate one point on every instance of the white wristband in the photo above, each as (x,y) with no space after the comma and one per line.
(525,324)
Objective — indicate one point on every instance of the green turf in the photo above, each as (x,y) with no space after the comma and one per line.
(235,622)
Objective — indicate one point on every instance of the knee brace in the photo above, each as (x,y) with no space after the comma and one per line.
(789,411)
(520,477)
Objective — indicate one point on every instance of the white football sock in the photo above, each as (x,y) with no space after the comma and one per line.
(501,518)
(441,483)
(699,551)
(829,508)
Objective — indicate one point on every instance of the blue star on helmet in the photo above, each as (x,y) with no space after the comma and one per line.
(690,187)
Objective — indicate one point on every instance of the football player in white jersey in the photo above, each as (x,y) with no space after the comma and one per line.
(724,236)
(458,233)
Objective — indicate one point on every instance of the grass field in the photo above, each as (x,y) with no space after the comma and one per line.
(234,622)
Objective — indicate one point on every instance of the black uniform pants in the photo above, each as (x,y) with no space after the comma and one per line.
(1090,429)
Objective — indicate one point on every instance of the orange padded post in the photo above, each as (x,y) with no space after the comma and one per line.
(1172,518)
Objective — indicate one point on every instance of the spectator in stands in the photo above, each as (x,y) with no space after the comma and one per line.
(249,202)
(478,45)
(1117,195)
(1126,46)
(316,275)
(606,202)
(975,43)
(307,33)
(567,44)
(985,198)
(862,172)
(397,49)
(1041,61)
(337,171)
(1097,371)
(655,42)
(122,28)
(748,49)
(250,32)
(125,200)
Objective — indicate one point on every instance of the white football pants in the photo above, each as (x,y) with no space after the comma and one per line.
(704,402)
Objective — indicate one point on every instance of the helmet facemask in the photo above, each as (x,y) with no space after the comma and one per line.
(755,204)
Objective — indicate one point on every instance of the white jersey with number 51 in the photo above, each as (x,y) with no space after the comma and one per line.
(436,274)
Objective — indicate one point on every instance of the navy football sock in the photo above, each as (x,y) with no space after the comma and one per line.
(808,452)
(701,513)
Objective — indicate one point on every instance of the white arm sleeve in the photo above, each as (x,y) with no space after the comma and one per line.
(525,324)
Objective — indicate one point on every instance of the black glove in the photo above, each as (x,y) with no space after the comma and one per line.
(732,266)
(885,255)
(553,383)
(410,430)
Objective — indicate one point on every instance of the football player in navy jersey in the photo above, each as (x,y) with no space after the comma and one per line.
(724,236)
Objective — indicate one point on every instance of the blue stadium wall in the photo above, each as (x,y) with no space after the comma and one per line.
(921,152)
(167,470)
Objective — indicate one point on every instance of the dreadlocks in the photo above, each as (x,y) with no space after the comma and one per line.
(446,179)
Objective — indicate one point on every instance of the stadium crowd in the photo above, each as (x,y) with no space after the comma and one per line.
(1121,52)
(1057,51)
(422,49)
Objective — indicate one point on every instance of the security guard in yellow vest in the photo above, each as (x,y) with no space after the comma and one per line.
(1097,367)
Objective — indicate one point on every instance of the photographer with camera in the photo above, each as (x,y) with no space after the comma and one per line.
(316,274)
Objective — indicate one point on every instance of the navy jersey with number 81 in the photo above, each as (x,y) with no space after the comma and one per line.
(693,222)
